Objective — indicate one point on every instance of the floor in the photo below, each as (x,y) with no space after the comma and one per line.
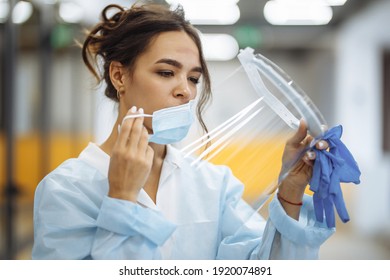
(348,244)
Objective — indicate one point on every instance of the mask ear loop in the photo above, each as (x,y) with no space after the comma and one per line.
(136,116)
(132,117)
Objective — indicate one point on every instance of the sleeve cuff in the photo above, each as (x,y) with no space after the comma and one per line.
(127,218)
(306,231)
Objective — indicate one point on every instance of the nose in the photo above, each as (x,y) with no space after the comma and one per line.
(183,90)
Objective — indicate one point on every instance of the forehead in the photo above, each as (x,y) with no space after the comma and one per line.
(176,45)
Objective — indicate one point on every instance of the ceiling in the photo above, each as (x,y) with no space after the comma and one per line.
(251,29)
(251,11)
(289,36)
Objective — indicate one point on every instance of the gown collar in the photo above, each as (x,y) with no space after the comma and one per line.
(97,158)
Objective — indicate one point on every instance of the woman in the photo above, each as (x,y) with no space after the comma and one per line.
(135,196)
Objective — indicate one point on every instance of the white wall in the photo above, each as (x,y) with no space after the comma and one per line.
(358,107)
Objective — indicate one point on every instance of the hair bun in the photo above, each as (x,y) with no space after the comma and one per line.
(114,18)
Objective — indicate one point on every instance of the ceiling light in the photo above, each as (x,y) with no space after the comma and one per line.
(46,2)
(299,12)
(22,12)
(335,2)
(219,47)
(4,11)
(71,12)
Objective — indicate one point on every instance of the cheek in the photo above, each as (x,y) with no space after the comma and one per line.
(195,92)
(149,87)
(140,93)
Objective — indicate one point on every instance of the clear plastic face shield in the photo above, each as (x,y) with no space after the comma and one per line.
(254,111)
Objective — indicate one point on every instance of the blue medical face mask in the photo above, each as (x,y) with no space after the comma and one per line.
(170,125)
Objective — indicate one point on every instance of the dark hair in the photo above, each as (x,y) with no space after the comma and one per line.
(127,34)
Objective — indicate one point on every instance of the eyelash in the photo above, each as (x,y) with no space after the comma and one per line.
(194,80)
(167,74)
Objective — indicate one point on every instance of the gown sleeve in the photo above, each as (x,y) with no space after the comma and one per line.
(72,223)
(126,230)
(246,235)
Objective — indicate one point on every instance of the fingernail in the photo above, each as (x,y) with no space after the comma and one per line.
(141,110)
(311,154)
(133,109)
(321,144)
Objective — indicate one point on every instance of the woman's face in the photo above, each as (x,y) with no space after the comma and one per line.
(165,75)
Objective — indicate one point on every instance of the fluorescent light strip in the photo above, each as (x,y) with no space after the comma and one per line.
(219,47)
(22,12)
(335,2)
(303,12)
(4,11)
(71,12)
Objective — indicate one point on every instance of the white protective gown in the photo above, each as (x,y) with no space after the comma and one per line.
(199,214)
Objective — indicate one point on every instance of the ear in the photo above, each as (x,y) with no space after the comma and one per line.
(117,75)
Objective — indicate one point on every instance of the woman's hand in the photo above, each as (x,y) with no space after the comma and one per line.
(297,168)
(131,159)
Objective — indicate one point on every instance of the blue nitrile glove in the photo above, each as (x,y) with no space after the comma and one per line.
(330,168)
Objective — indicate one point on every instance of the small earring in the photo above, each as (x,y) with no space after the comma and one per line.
(118,95)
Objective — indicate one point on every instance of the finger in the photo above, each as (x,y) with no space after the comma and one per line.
(136,130)
(310,155)
(306,158)
(143,141)
(126,126)
(300,135)
(307,140)
(322,145)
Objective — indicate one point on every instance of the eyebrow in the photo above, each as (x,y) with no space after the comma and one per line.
(177,64)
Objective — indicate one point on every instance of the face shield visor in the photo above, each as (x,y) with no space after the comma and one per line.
(254,111)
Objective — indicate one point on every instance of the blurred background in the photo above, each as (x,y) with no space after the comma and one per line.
(338,51)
